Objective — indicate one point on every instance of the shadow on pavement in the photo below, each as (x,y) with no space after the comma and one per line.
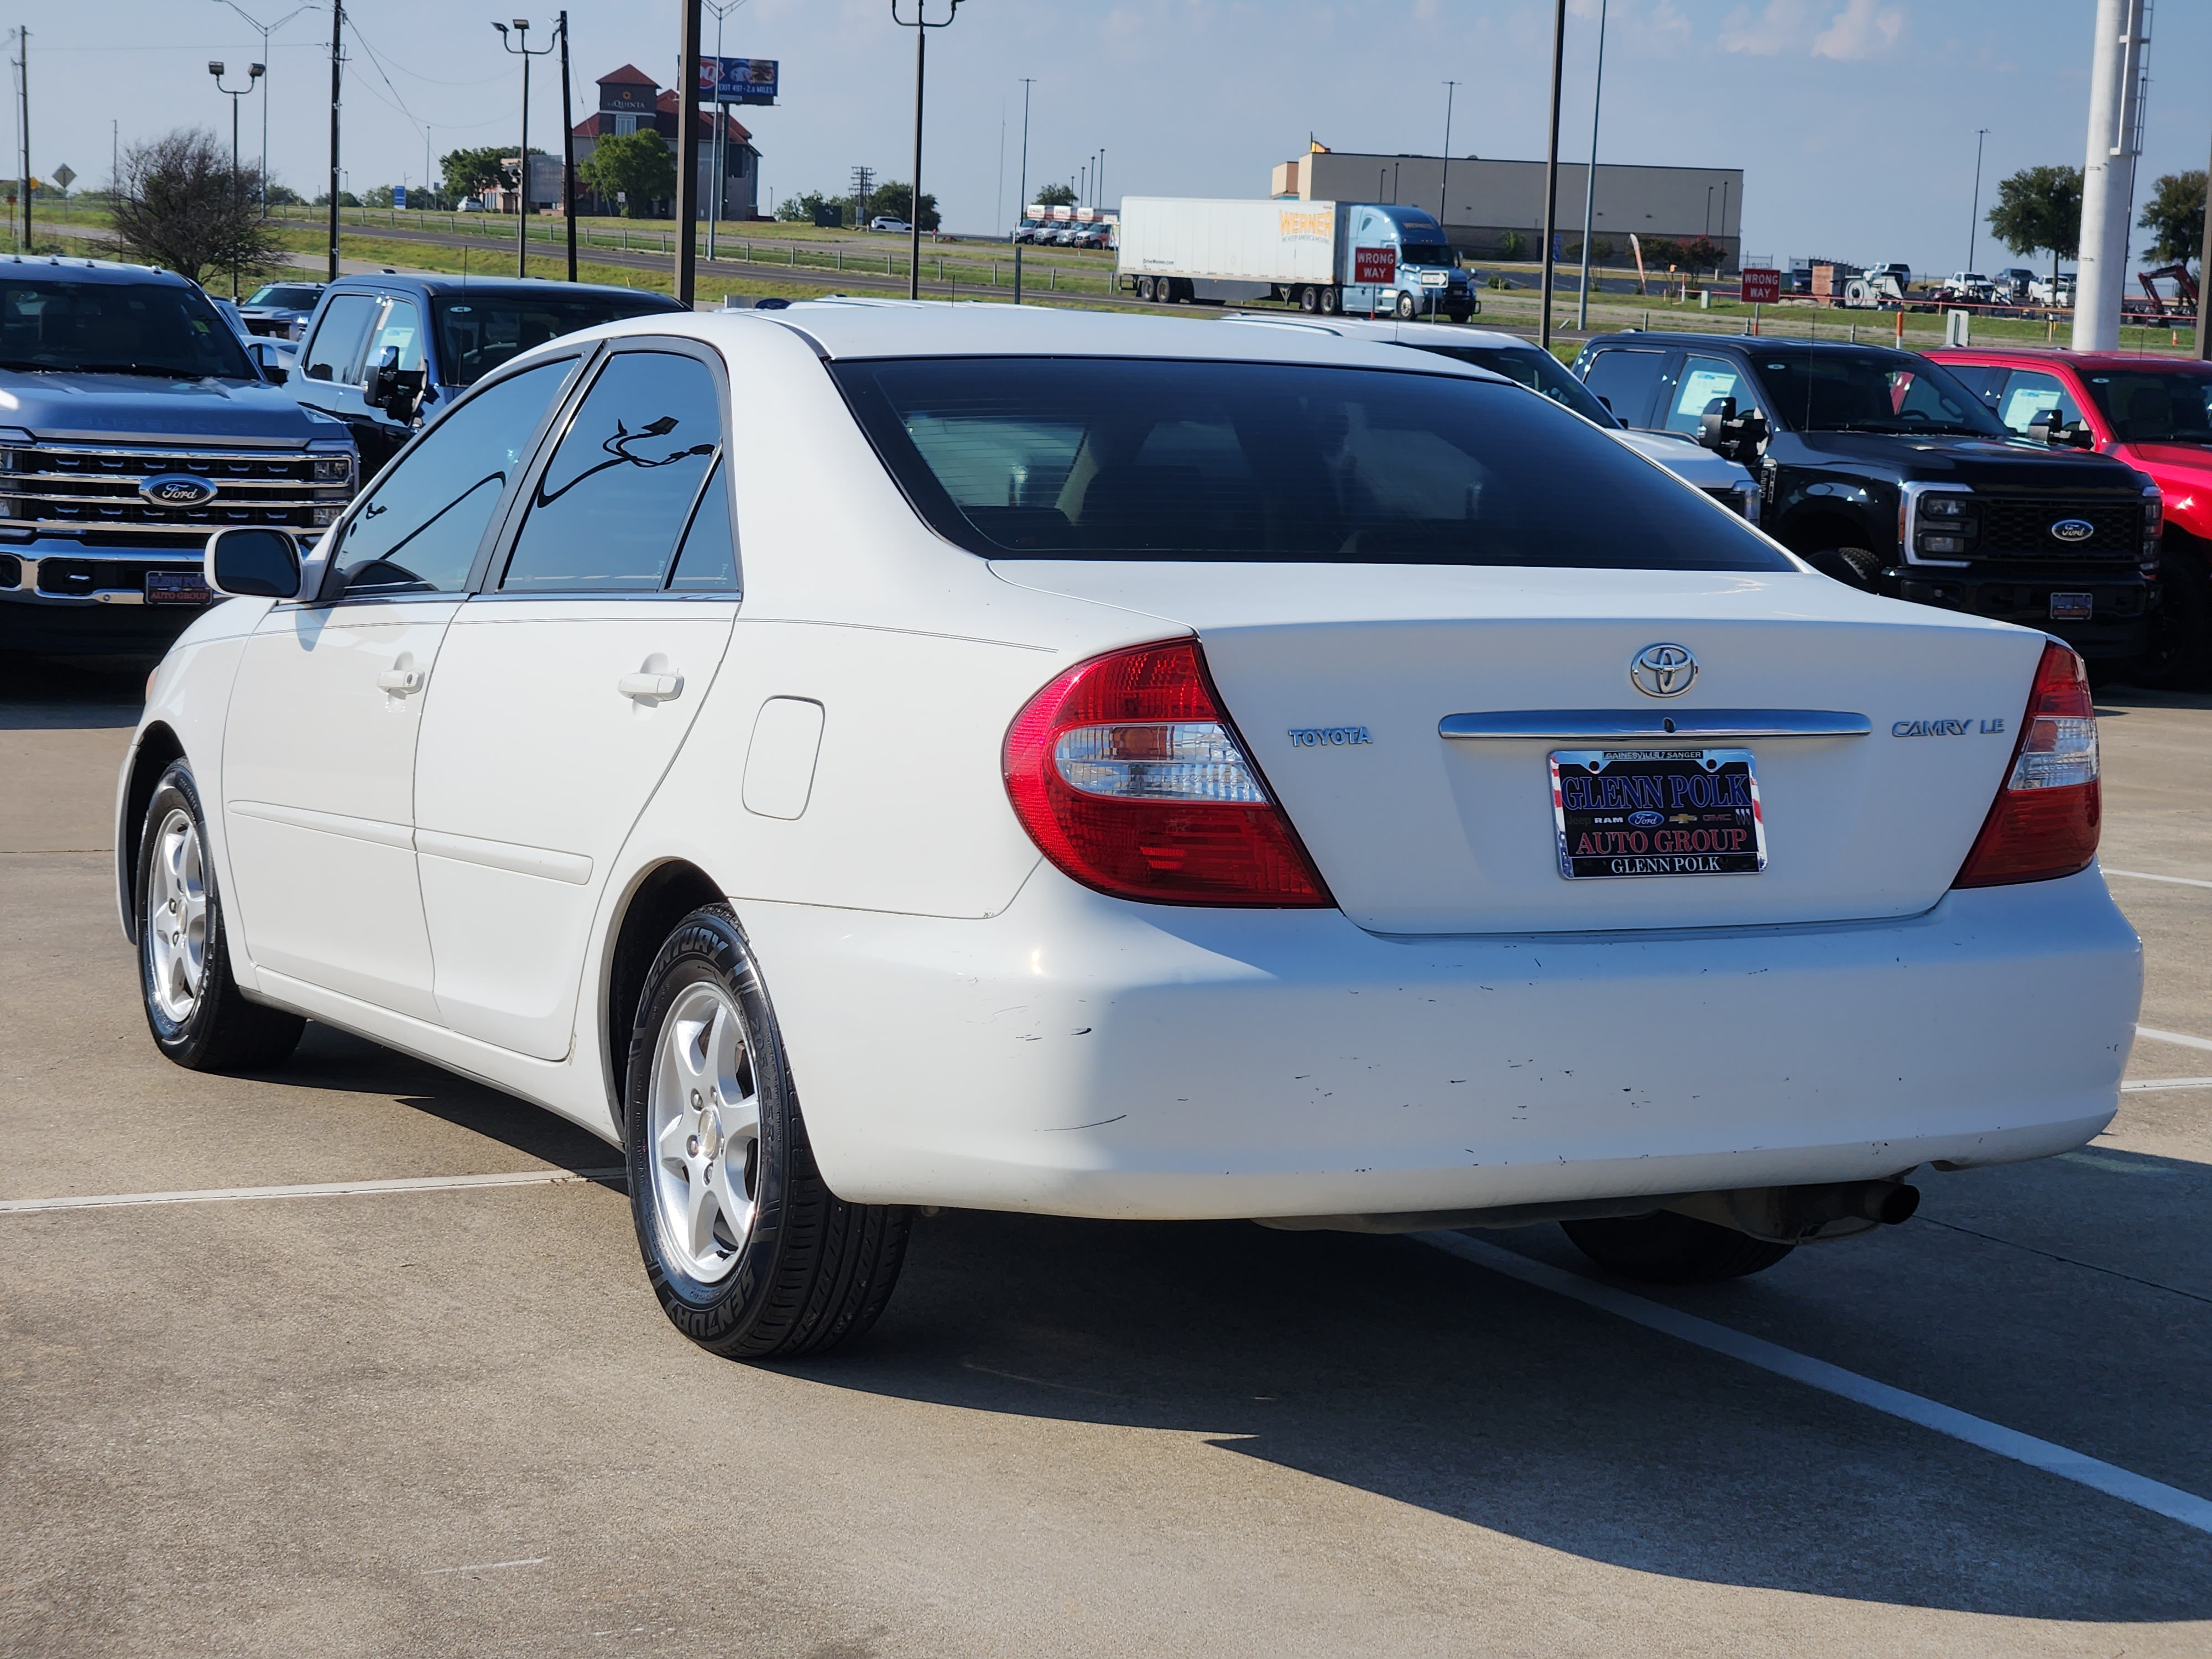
(50,693)
(1386,1366)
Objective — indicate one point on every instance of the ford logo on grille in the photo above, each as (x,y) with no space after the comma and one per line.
(176,490)
(2073,530)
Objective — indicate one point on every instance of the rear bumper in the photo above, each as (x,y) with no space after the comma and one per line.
(2119,622)
(1083,1055)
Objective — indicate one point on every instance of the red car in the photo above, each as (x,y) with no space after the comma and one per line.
(2154,413)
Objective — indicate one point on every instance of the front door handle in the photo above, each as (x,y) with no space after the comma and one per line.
(400,682)
(650,687)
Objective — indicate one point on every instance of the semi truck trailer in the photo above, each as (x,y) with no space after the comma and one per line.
(1358,257)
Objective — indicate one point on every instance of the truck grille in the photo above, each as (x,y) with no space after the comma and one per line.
(2015,527)
(92,493)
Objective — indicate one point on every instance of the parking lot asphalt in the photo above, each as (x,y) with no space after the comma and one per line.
(452,1421)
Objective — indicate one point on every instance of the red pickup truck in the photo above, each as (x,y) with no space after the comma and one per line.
(2154,413)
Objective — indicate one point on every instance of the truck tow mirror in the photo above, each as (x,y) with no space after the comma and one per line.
(398,391)
(1722,430)
(252,561)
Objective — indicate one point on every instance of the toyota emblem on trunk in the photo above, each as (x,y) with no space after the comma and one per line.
(1663,671)
(176,490)
(2073,530)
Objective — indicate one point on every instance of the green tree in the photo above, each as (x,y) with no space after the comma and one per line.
(810,209)
(1057,196)
(895,200)
(178,204)
(2040,207)
(472,172)
(2175,216)
(638,167)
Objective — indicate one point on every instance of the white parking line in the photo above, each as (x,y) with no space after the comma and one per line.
(2168,1083)
(2109,1479)
(487,1567)
(2145,875)
(318,1189)
(2184,1040)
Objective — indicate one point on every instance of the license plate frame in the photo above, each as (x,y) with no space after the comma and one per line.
(178,587)
(1697,813)
(2073,607)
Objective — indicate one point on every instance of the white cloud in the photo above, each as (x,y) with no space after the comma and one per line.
(1781,24)
(1861,29)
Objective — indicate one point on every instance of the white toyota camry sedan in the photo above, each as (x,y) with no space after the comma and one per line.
(867,755)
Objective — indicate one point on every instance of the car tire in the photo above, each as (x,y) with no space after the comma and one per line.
(769,1263)
(1855,567)
(200,1017)
(1665,1249)
(1405,308)
(1309,299)
(2180,655)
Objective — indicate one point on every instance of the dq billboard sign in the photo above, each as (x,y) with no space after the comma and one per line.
(738,80)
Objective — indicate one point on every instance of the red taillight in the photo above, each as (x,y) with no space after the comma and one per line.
(1126,776)
(2047,815)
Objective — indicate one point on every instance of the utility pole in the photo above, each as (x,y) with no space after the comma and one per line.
(1589,184)
(687,154)
(921,26)
(23,39)
(567,152)
(1974,217)
(1022,207)
(522,158)
(1551,165)
(2108,174)
(1443,185)
(337,65)
(2204,281)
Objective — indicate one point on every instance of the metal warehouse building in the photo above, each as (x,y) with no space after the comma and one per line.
(1491,200)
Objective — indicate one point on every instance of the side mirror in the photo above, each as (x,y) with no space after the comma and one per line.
(398,391)
(251,562)
(269,358)
(2045,424)
(1720,429)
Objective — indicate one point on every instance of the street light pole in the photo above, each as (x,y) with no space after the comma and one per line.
(1589,184)
(1443,183)
(921,26)
(722,9)
(1974,218)
(265,30)
(1551,166)
(337,67)
(521,49)
(1022,207)
(567,152)
(253,72)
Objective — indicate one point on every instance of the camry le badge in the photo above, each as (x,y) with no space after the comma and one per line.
(1663,671)
(176,490)
(2073,530)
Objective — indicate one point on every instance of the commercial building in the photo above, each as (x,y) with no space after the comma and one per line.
(631,102)
(1495,209)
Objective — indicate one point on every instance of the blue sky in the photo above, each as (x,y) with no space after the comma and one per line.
(1854,119)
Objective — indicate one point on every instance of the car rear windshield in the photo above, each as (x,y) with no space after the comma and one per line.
(1535,368)
(1825,390)
(1077,458)
(478,332)
(2145,406)
(288,296)
(162,329)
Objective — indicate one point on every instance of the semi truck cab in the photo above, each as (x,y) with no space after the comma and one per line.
(1397,263)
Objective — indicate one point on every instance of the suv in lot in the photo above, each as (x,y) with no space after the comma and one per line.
(1880,468)
(134,425)
(2155,414)
(384,354)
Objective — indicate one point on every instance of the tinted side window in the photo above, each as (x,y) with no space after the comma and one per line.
(400,332)
(1625,379)
(2028,393)
(605,515)
(419,530)
(335,352)
(707,561)
(1705,381)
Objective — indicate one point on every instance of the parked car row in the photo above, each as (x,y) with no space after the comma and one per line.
(1053,233)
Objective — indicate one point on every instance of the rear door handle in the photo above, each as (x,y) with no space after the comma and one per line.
(400,682)
(650,687)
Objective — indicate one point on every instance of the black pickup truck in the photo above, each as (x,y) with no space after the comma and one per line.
(1878,467)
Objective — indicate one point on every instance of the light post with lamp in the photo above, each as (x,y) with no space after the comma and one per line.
(921,26)
(253,73)
(722,9)
(264,30)
(518,45)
